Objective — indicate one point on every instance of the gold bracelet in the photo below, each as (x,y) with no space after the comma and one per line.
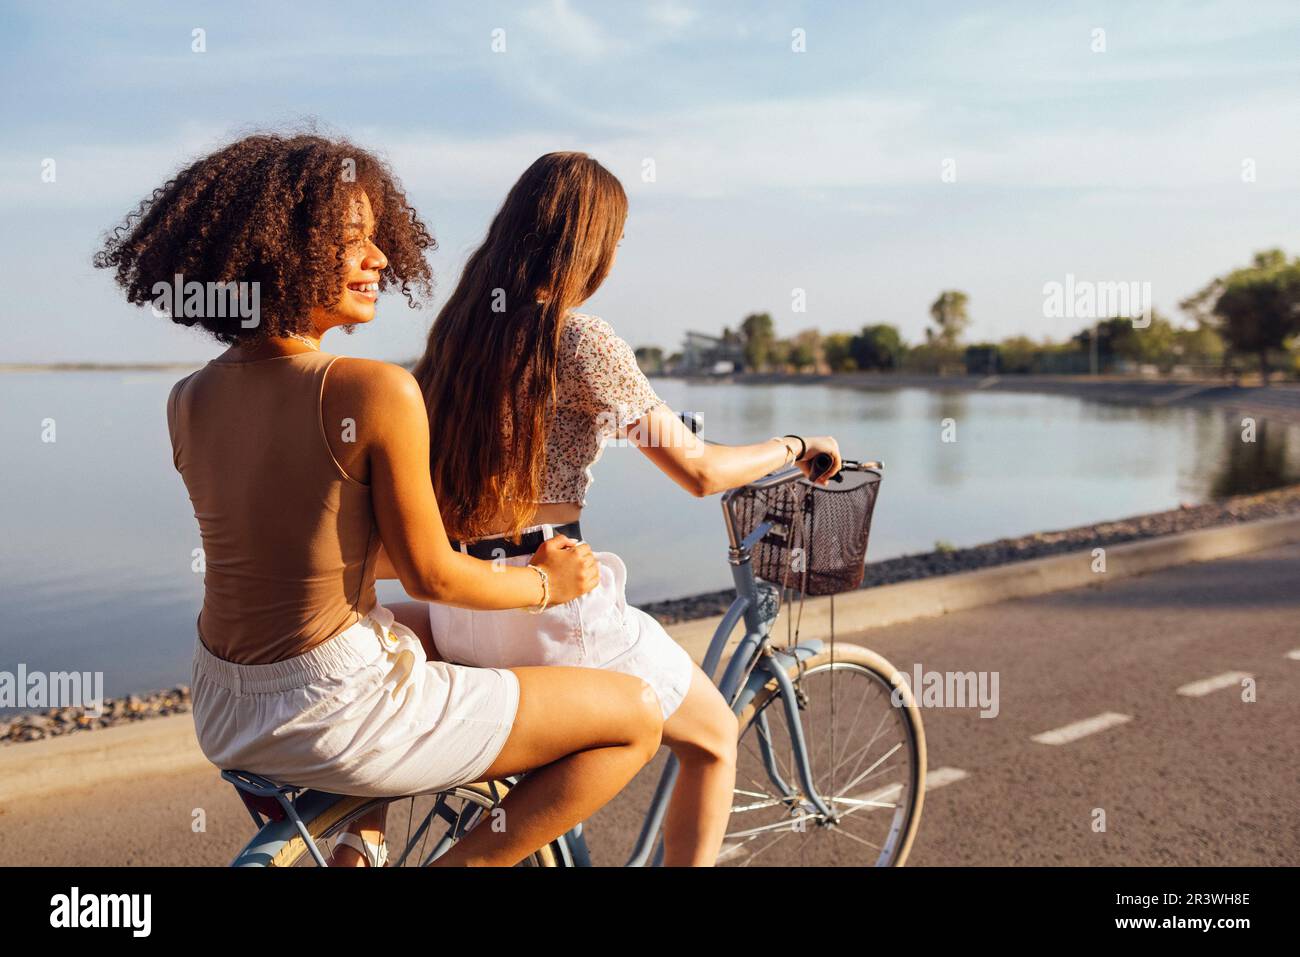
(790,454)
(546,590)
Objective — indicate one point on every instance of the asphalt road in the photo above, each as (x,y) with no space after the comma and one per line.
(1196,776)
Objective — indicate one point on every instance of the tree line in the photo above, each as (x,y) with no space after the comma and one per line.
(1247,317)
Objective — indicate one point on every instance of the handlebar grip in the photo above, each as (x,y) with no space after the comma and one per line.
(822,464)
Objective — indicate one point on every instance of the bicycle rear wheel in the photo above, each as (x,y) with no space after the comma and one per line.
(418,828)
(868,766)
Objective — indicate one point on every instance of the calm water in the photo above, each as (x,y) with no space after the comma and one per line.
(98,533)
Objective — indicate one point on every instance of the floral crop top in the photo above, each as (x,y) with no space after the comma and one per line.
(600,389)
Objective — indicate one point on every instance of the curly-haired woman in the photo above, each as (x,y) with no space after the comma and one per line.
(299,464)
(534,389)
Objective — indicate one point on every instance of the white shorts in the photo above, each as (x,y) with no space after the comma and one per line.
(363,713)
(597,630)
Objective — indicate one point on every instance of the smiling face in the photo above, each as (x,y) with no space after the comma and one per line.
(363,262)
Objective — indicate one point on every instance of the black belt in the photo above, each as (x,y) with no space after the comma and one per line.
(499,547)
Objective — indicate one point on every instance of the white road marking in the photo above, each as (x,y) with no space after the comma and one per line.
(1081,729)
(888,795)
(1199,689)
(941,776)
(1294,654)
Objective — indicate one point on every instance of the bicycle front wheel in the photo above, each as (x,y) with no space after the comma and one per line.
(867,758)
(418,828)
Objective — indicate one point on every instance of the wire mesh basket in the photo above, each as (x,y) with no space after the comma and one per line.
(817,544)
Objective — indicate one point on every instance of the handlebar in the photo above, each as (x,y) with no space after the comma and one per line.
(821,464)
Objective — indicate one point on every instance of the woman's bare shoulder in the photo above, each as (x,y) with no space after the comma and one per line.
(371,381)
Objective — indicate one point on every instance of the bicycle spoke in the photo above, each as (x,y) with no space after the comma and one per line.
(861,840)
(862,703)
(857,746)
(754,855)
(884,757)
(872,740)
(757,805)
(444,817)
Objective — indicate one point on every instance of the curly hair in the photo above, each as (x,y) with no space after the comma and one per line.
(267,209)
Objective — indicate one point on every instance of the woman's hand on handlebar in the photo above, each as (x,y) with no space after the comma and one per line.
(820,445)
(570,567)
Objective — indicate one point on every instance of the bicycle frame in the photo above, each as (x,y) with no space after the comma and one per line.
(753,664)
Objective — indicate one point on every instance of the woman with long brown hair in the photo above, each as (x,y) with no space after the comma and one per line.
(522,393)
(299,465)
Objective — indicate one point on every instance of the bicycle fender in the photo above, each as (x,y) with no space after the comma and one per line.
(267,842)
(782,659)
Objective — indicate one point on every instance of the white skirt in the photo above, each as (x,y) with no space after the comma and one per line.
(363,713)
(597,630)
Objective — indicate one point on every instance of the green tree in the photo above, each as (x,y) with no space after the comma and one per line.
(877,347)
(779,354)
(650,358)
(806,350)
(1017,354)
(1257,308)
(1152,344)
(758,334)
(949,315)
(837,347)
(1202,344)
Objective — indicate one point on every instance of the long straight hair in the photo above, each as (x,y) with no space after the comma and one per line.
(488,370)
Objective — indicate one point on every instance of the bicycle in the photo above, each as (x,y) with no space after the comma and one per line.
(785,698)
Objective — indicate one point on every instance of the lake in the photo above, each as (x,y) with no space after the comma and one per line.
(95,560)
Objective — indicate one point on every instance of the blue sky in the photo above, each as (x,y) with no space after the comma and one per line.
(775,170)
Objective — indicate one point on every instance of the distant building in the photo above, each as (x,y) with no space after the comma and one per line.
(703,354)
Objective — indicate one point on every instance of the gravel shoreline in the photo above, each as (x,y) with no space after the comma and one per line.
(53,722)
(1229,511)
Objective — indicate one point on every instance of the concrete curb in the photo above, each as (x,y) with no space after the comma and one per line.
(159,746)
(929,597)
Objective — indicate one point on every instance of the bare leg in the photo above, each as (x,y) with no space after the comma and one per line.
(702,734)
(582,734)
(369,827)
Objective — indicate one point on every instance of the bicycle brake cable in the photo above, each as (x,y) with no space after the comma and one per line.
(805,508)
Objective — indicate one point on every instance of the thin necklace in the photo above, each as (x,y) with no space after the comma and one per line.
(294,335)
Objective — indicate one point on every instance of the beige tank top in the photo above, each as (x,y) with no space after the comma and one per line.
(289,539)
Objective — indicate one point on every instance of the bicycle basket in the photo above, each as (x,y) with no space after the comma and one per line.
(818,541)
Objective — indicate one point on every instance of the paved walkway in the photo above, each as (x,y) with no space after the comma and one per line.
(1193,775)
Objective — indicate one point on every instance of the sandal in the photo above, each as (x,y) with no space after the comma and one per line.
(376,855)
